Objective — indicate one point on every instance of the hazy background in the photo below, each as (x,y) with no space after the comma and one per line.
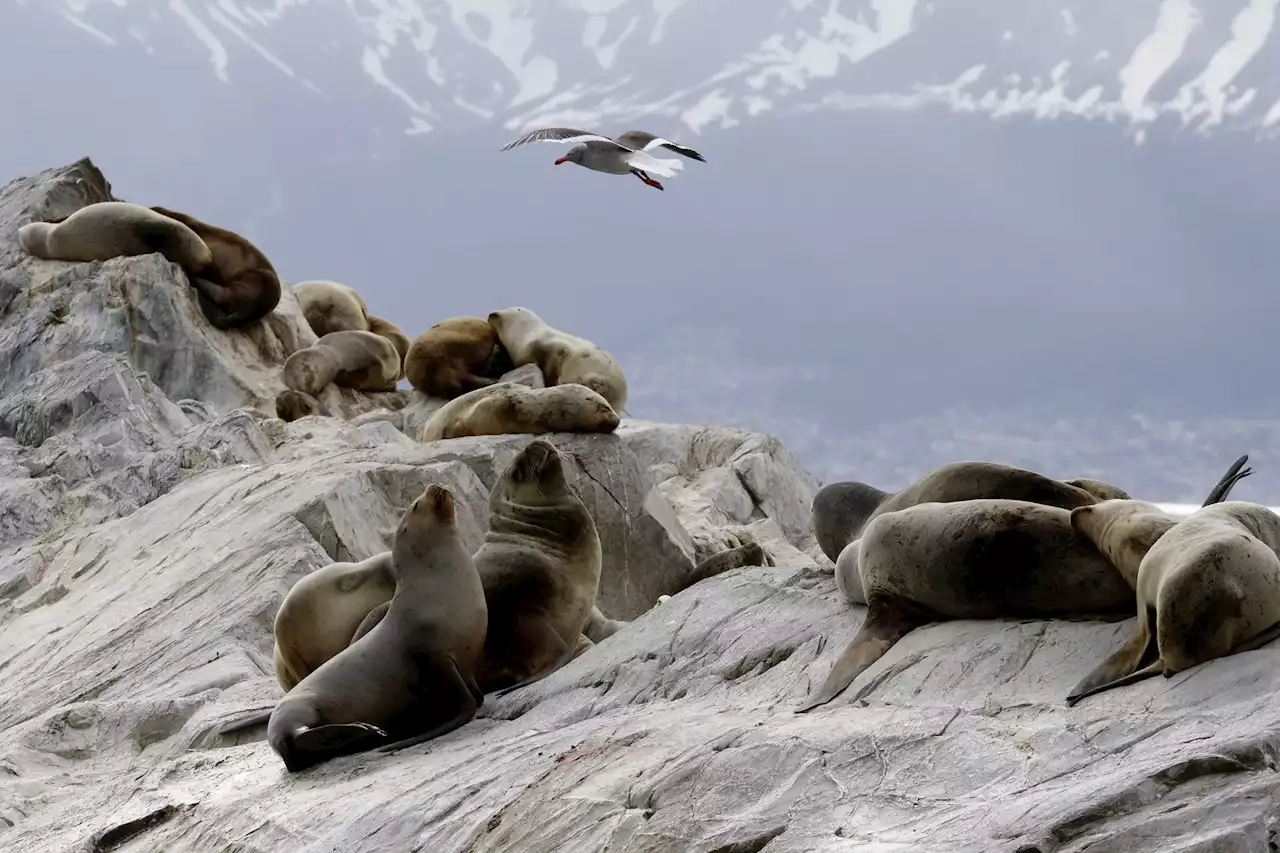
(1037,233)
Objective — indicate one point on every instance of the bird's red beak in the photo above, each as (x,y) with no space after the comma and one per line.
(560,160)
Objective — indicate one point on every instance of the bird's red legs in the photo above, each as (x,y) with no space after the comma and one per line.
(648,180)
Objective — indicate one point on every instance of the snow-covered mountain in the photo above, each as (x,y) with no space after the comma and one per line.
(1037,232)
(712,63)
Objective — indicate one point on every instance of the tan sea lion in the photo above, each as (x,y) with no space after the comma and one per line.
(563,358)
(351,359)
(973,559)
(412,677)
(116,229)
(1100,489)
(242,287)
(1207,585)
(452,357)
(330,306)
(291,405)
(321,612)
(393,333)
(841,510)
(510,407)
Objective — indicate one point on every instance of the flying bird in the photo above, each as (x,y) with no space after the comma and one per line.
(628,154)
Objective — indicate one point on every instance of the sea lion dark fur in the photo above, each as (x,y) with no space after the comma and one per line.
(242,286)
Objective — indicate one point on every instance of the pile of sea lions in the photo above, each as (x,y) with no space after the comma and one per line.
(403,647)
(459,359)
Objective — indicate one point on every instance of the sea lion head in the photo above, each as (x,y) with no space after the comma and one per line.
(1123,530)
(1101,490)
(537,473)
(840,511)
(429,522)
(291,405)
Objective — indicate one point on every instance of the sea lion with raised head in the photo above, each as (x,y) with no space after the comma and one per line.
(321,612)
(1207,585)
(841,510)
(452,357)
(331,306)
(117,229)
(540,567)
(971,559)
(512,408)
(563,358)
(412,677)
(351,359)
(242,287)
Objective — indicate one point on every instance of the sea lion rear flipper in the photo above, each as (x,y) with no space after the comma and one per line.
(888,620)
(1258,640)
(1123,666)
(452,683)
(371,620)
(257,718)
(1228,481)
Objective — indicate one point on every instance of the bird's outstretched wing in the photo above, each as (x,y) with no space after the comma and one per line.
(644,141)
(561,134)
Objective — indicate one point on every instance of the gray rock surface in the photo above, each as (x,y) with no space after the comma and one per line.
(153,513)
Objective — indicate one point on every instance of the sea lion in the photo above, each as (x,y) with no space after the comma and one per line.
(330,306)
(242,286)
(563,358)
(412,677)
(841,510)
(321,612)
(393,333)
(1124,529)
(975,559)
(540,567)
(509,407)
(452,357)
(115,229)
(291,405)
(1207,585)
(1100,489)
(350,359)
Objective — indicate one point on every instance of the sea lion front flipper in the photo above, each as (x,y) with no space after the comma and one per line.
(599,627)
(371,620)
(453,683)
(1124,663)
(333,739)
(1228,481)
(888,620)
(584,644)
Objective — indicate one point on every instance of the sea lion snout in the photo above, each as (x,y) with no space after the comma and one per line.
(436,501)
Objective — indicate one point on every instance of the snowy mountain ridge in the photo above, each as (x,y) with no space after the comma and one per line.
(709,63)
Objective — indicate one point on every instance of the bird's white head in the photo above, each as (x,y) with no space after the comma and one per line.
(573,156)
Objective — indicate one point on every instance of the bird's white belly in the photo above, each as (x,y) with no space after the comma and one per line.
(614,164)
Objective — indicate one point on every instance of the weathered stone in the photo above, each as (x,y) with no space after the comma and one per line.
(154,513)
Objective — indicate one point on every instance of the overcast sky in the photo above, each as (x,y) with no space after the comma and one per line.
(875,262)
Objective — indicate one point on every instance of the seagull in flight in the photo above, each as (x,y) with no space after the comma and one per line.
(628,154)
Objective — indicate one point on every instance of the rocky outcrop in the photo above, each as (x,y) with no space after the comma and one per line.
(153,513)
